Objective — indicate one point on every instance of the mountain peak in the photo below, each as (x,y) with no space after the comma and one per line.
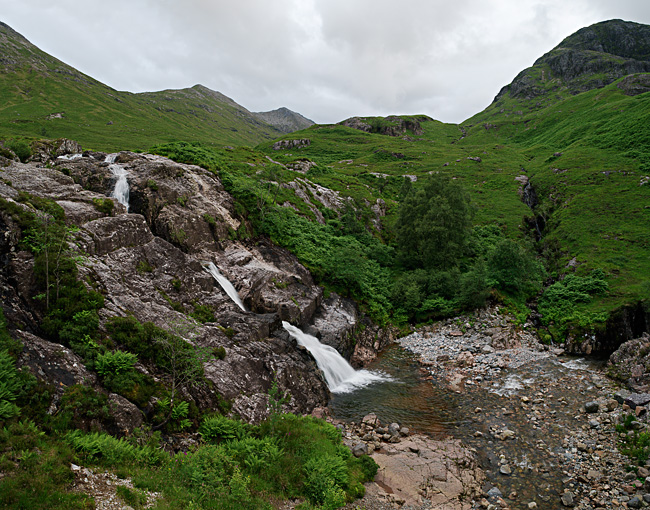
(285,120)
(591,58)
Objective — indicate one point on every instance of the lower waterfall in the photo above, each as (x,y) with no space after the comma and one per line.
(339,374)
(225,284)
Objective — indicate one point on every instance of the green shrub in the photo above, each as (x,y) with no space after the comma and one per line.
(219,428)
(9,386)
(143,266)
(115,363)
(219,352)
(20,149)
(82,408)
(104,205)
(323,475)
(108,450)
(202,313)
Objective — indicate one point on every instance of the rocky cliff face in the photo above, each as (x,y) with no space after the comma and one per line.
(591,58)
(148,263)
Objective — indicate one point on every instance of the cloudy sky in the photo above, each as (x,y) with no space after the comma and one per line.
(327,59)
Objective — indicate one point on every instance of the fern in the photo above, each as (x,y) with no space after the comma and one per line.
(9,386)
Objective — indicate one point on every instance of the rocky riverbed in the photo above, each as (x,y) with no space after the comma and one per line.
(539,425)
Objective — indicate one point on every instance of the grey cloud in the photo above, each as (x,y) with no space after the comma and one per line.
(327,59)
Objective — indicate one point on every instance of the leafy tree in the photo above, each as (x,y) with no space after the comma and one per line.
(183,362)
(433,224)
(513,269)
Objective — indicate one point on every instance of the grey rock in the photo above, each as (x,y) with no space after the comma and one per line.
(360,449)
(567,499)
(494,493)
(635,502)
(591,407)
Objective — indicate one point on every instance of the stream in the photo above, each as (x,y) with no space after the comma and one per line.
(522,422)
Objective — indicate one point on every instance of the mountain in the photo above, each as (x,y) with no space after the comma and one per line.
(46,98)
(285,120)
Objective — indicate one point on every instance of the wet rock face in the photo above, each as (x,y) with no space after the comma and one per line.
(148,263)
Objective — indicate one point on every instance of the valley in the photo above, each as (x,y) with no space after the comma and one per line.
(214,308)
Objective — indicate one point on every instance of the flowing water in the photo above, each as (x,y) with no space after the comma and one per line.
(225,284)
(121,190)
(537,454)
(339,374)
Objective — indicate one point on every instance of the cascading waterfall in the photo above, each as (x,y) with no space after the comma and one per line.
(339,374)
(225,284)
(121,191)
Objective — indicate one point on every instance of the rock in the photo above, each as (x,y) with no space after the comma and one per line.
(443,469)
(567,499)
(635,502)
(370,420)
(494,493)
(591,407)
(360,449)
(393,429)
(635,400)
(127,416)
(505,470)
(465,359)
(404,431)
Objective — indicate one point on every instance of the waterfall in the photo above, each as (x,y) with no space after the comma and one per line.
(225,284)
(339,374)
(121,191)
(71,157)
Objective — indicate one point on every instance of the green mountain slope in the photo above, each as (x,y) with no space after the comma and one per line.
(43,97)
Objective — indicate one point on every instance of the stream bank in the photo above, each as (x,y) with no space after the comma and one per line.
(540,424)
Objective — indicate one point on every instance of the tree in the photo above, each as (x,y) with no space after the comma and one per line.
(182,361)
(50,240)
(433,224)
(513,269)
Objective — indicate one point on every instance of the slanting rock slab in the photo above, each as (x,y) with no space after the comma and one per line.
(441,475)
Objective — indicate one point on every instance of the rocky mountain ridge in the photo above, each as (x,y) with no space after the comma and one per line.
(591,58)
(285,120)
(68,98)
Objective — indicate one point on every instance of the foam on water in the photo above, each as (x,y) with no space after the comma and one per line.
(339,374)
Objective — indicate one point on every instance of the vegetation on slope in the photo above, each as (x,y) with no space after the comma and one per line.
(45,98)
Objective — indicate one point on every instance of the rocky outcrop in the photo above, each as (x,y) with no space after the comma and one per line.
(148,264)
(630,364)
(591,58)
(389,126)
(415,471)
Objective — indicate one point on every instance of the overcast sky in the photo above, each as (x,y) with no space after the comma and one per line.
(326,59)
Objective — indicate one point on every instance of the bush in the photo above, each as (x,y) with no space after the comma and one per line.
(115,363)
(514,270)
(20,149)
(108,450)
(9,386)
(218,428)
(322,476)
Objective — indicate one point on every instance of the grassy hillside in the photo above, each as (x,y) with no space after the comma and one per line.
(559,162)
(45,98)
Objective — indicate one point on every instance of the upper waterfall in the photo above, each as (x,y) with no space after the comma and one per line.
(121,190)
(339,374)
(225,284)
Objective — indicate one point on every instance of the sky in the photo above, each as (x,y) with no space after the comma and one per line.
(326,59)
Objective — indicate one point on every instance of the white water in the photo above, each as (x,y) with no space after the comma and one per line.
(121,191)
(70,157)
(339,374)
(225,284)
